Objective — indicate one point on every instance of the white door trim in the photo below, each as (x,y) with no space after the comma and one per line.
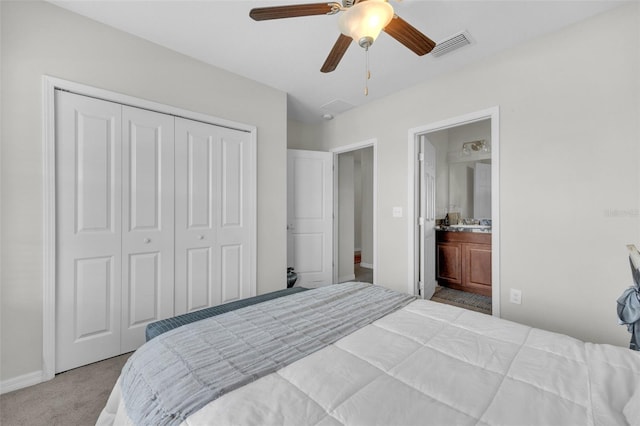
(341,150)
(49,85)
(493,114)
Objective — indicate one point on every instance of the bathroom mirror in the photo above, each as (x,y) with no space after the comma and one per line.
(470,188)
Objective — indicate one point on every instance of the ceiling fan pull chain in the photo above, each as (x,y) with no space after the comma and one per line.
(367,73)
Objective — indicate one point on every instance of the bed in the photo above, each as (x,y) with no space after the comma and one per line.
(405,362)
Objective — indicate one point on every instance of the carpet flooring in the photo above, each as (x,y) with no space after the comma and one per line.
(364,275)
(73,398)
(463,299)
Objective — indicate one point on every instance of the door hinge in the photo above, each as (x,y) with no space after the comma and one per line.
(421,156)
(420,288)
(421,221)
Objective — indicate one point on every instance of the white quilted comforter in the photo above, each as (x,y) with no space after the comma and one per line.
(434,364)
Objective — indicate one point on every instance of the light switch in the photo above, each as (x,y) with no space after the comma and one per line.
(397,212)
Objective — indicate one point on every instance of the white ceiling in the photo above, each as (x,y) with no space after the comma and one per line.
(287,54)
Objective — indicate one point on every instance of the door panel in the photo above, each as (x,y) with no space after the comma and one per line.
(94,167)
(231,271)
(310,216)
(449,262)
(312,246)
(198,262)
(477,263)
(231,183)
(199,181)
(148,221)
(88,203)
(145,153)
(93,287)
(144,282)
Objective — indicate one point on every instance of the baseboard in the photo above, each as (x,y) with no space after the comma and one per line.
(345,278)
(366,265)
(20,382)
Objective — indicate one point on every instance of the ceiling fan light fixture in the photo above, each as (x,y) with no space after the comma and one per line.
(364,21)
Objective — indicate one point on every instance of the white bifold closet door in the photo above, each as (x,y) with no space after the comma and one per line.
(151,223)
(212,197)
(88,230)
(147,222)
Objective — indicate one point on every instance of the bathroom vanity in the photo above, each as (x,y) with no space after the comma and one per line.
(463,259)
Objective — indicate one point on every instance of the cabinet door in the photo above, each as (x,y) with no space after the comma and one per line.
(88,230)
(147,222)
(477,268)
(449,262)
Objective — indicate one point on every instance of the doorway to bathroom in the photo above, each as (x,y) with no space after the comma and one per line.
(454,177)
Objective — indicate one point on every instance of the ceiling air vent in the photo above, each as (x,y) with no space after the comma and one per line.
(337,106)
(452,43)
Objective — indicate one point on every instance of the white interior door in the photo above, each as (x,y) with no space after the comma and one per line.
(88,206)
(147,222)
(213,219)
(310,216)
(427,161)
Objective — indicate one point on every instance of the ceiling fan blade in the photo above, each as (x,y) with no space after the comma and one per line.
(336,54)
(291,11)
(406,34)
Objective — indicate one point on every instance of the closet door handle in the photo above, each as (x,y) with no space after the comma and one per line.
(147,240)
(201,237)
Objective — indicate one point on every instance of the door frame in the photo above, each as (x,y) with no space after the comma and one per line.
(49,86)
(492,114)
(342,150)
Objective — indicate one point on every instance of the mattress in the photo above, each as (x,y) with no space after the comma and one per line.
(157,328)
(429,363)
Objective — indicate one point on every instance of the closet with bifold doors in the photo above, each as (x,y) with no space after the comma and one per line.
(153,219)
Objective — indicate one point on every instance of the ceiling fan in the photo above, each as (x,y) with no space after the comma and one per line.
(361,21)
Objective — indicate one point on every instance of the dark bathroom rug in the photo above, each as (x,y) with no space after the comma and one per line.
(463,299)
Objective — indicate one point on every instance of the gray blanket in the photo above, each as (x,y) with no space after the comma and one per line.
(629,314)
(179,372)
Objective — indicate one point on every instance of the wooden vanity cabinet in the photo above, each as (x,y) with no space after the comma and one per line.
(463,261)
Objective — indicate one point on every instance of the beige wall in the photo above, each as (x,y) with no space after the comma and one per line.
(303,136)
(39,38)
(569,168)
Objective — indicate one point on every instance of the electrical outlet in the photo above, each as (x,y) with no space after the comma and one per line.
(515,296)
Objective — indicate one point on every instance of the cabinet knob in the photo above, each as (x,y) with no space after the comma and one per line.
(201,237)
(147,240)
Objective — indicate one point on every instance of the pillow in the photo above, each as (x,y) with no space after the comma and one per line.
(632,410)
